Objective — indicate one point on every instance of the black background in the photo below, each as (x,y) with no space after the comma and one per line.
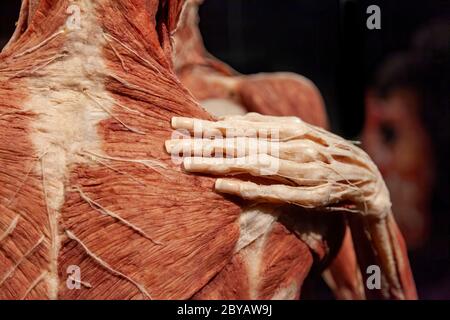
(326,41)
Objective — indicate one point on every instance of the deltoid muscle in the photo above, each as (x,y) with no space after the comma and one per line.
(91,204)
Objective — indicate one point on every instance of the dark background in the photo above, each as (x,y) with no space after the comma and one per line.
(326,41)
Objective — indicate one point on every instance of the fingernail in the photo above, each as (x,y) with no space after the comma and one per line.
(168,145)
(174,122)
(226,185)
(187,164)
(181,123)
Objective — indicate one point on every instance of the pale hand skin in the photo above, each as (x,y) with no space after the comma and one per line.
(315,169)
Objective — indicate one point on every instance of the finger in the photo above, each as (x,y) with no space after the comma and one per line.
(310,173)
(301,151)
(310,197)
(231,147)
(240,128)
(304,150)
(256,165)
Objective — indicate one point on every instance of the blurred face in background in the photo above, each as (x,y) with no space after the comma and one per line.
(396,139)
